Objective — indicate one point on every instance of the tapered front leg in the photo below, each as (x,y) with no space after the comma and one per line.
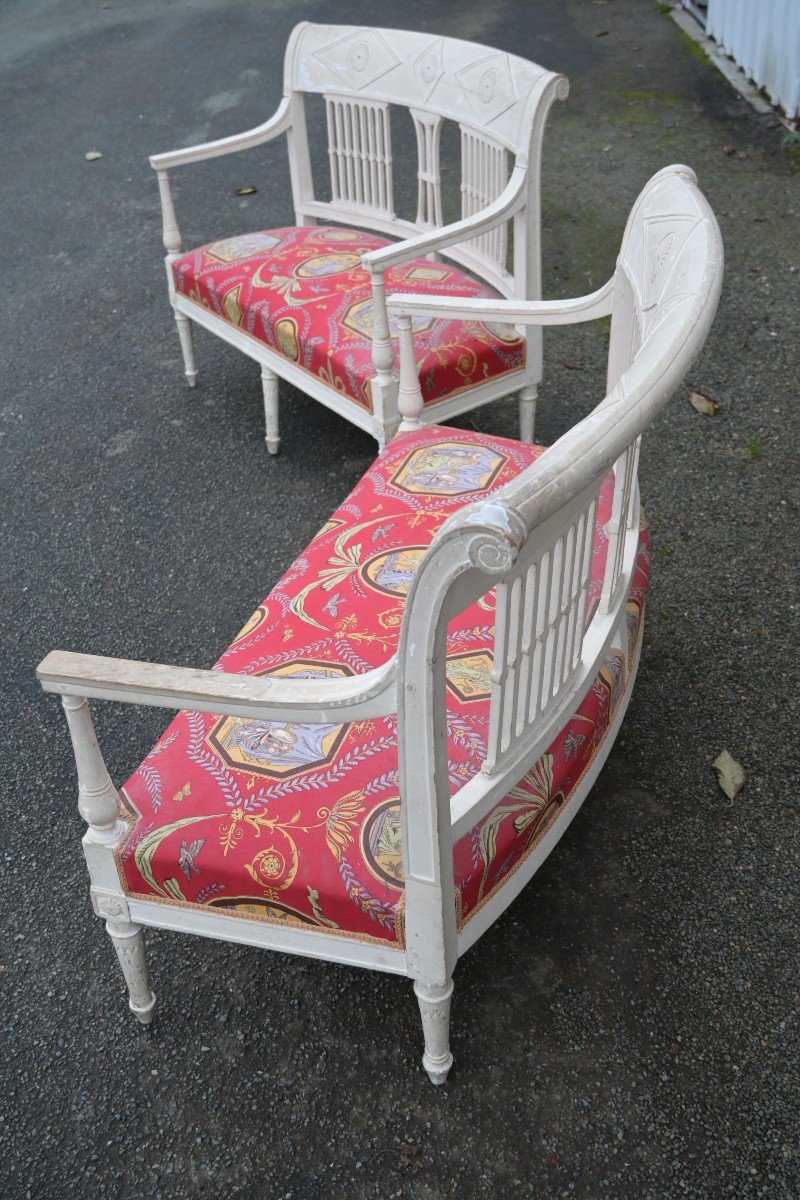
(434,1005)
(100,806)
(269,382)
(527,413)
(187,346)
(129,945)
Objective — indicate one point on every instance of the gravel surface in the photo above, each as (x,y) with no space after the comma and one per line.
(629,1028)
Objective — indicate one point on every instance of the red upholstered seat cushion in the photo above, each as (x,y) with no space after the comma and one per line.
(303,292)
(300,823)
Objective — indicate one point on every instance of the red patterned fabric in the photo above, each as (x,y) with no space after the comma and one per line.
(300,823)
(303,292)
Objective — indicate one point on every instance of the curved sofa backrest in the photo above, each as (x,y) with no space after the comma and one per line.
(671,244)
(499,101)
(532,539)
(666,288)
(474,85)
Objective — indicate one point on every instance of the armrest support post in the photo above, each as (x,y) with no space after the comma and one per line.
(409,397)
(300,171)
(97,797)
(382,349)
(172,234)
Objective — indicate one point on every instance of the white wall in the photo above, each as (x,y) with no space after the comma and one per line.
(763,38)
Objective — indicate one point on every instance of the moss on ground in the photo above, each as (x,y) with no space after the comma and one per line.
(694,50)
(791,144)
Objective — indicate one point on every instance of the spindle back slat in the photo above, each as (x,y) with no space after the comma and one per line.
(360,155)
(484,175)
(539,626)
(429,177)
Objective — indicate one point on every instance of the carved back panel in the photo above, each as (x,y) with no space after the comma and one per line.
(658,269)
(361,72)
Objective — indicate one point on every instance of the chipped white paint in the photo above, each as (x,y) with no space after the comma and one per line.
(500,103)
(532,542)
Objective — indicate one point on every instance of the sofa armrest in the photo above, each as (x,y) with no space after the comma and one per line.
(507,203)
(514,312)
(91,676)
(278,123)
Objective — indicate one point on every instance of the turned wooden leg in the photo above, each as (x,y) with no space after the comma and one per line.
(129,945)
(434,1005)
(527,413)
(187,346)
(269,382)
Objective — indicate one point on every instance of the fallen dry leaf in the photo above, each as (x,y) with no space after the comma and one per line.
(246,191)
(572,366)
(730,774)
(408,1157)
(703,403)
(92,155)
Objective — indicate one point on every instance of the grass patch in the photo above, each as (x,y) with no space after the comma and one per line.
(592,238)
(637,96)
(791,144)
(696,52)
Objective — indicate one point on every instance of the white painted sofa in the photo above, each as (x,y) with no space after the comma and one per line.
(411,719)
(307,302)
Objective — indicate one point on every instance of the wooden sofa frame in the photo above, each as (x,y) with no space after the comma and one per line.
(529,541)
(500,103)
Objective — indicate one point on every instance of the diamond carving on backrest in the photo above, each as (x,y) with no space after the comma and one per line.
(429,67)
(359,58)
(489,87)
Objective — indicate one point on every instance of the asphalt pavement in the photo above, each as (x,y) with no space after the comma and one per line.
(629,1028)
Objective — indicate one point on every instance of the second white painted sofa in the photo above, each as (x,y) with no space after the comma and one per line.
(308,301)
